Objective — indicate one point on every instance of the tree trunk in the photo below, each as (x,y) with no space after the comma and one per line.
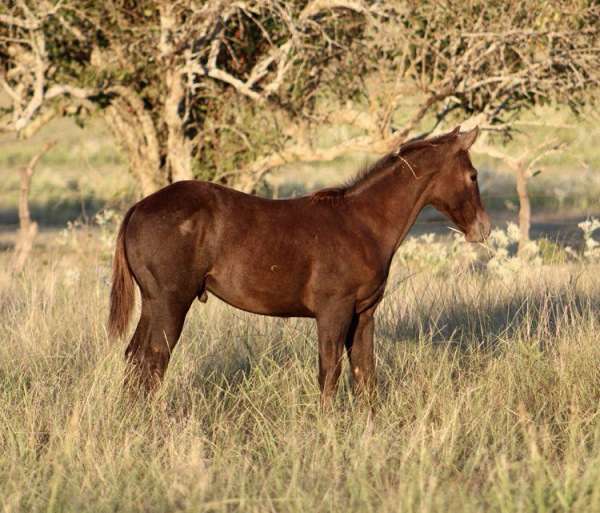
(524,206)
(179,148)
(138,140)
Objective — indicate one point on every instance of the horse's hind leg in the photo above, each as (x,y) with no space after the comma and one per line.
(158,331)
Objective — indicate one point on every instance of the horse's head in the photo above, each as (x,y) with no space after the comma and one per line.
(454,190)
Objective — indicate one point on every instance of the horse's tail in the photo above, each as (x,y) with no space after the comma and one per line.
(122,291)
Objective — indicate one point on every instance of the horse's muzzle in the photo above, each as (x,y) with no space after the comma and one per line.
(480,228)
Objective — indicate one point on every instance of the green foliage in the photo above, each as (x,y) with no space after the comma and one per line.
(236,134)
(551,253)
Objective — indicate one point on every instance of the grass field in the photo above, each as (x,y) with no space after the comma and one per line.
(489,382)
(489,401)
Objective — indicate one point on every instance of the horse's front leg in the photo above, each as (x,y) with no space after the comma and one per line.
(333,325)
(359,346)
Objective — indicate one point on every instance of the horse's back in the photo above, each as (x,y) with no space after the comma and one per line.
(260,255)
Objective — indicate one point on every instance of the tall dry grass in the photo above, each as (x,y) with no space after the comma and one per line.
(489,394)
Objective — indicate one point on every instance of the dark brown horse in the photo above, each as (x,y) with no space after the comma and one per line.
(325,256)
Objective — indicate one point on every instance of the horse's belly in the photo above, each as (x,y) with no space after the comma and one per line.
(261,293)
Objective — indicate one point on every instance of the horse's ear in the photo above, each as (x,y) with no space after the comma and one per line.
(467,139)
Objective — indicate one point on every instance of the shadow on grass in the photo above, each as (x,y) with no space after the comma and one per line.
(536,315)
(57,212)
(466,322)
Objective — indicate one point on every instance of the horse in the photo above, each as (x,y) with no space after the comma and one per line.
(325,256)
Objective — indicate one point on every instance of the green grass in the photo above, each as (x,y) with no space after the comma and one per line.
(489,401)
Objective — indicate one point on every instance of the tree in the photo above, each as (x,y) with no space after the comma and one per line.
(501,59)
(486,62)
(175,79)
(27,228)
(156,70)
(28,75)
(524,166)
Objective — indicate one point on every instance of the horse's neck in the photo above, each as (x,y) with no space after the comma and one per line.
(390,205)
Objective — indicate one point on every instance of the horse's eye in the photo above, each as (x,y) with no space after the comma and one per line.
(473,177)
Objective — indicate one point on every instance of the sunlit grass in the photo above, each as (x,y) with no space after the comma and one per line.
(489,392)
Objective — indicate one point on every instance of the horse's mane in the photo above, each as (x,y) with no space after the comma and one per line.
(386,162)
